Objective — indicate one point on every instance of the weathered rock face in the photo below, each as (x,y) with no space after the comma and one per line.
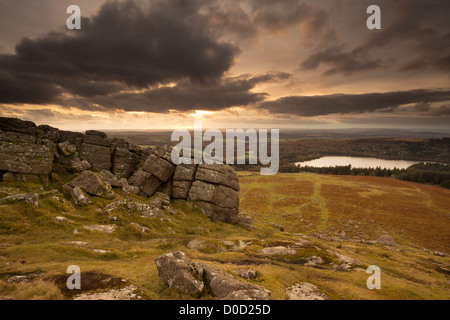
(226,287)
(125,158)
(179,272)
(66,149)
(386,240)
(99,157)
(218,202)
(29,152)
(125,293)
(26,158)
(21,150)
(50,133)
(75,138)
(305,291)
(124,162)
(218,174)
(214,187)
(280,250)
(19,126)
(80,197)
(110,228)
(24,177)
(110,178)
(32,199)
(93,184)
(216,191)
(247,273)
(70,158)
(182,180)
(146,182)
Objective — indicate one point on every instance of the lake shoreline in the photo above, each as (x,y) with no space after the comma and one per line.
(357,162)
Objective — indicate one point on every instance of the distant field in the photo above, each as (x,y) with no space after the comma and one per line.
(305,203)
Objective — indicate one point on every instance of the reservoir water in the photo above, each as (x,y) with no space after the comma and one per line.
(357,162)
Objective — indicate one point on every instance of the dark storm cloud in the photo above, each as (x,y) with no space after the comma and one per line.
(43,115)
(339,61)
(278,15)
(127,44)
(433,54)
(283,14)
(414,31)
(188,96)
(310,106)
(227,16)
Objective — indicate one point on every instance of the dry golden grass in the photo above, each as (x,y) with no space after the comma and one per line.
(414,215)
(35,290)
(410,212)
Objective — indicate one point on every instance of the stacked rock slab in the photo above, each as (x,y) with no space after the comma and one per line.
(215,189)
(78,152)
(157,170)
(182,180)
(125,158)
(179,272)
(69,156)
(96,149)
(24,155)
(29,153)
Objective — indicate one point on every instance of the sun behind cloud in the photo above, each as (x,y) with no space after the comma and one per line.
(199,114)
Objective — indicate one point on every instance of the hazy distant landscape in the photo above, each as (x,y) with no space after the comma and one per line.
(298,146)
(303,145)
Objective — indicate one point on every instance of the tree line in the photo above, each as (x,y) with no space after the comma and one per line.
(430,173)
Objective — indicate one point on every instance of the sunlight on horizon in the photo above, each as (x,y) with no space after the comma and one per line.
(199,114)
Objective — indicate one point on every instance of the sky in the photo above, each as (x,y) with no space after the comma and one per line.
(162,64)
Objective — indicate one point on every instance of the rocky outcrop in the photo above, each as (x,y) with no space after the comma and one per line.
(182,180)
(32,198)
(247,273)
(215,189)
(79,196)
(26,158)
(24,177)
(279,250)
(385,240)
(226,287)
(305,291)
(93,184)
(110,228)
(110,178)
(151,210)
(94,148)
(22,150)
(18,126)
(29,153)
(157,169)
(125,293)
(124,161)
(179,272)
(69,156)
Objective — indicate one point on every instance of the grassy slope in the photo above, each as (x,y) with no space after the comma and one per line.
(412,213)
(415,215)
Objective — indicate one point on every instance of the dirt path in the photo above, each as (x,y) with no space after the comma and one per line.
(317,197)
